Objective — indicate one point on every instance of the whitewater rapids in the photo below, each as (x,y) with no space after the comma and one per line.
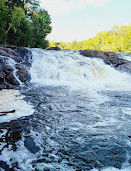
(68,68)
(75,115)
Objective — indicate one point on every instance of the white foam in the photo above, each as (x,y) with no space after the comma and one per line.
(25,159)
(127,110)
(71,69)
(113,169)
(12,100)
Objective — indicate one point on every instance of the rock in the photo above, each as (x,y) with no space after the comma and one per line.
(93,53)
(106,61)
(7,69)
(7,52)
(22,73)
(31,145)
(109,58)
(8,46)
(10,79)
(99,54)
(54,48)
(8,76)
(24,53)
(1,71)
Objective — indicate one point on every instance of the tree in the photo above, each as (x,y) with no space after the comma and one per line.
(3,15)
(41,28)
(23,23)
(16,16)
(118,39)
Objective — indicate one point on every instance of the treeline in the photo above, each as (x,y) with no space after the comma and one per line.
(24,23)
(117,40)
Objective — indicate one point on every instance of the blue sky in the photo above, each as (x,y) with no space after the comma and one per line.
(77,20)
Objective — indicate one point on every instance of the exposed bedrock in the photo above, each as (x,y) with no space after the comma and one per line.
(110,58)
(14,64)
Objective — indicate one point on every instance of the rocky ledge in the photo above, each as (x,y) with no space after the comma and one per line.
(14,64)
(110,58)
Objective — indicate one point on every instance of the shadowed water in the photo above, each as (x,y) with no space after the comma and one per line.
(68,132)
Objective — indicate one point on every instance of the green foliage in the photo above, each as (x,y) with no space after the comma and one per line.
(41,27)
(3,14)
(117,40)
(16,16)
(23,23)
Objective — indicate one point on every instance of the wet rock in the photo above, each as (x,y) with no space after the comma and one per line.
(8,75)
(7,52)
(7,69)
(30,145)
(4,166)
(22,73)
(109,58)
(54,48)
(93,53)
(9,78)
(106,61)
(25,54)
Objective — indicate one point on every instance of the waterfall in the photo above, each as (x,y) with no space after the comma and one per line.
(69,68)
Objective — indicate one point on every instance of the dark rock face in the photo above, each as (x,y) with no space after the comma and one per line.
(25,54)
(10,53)
(13,66)
(22,73)
(54,48)
(109,58)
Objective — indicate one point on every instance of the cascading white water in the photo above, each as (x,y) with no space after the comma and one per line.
(71,69)
(77,128)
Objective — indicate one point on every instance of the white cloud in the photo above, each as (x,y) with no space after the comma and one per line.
(57,7)
(60,7)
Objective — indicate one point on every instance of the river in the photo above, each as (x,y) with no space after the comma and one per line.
(74,116)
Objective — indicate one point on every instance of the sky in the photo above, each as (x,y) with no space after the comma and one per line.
(77,20)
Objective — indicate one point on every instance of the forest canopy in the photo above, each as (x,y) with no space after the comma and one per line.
(118,40)
(24,23)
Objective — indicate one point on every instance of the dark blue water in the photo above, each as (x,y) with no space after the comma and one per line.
(69,130)
(81,120)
